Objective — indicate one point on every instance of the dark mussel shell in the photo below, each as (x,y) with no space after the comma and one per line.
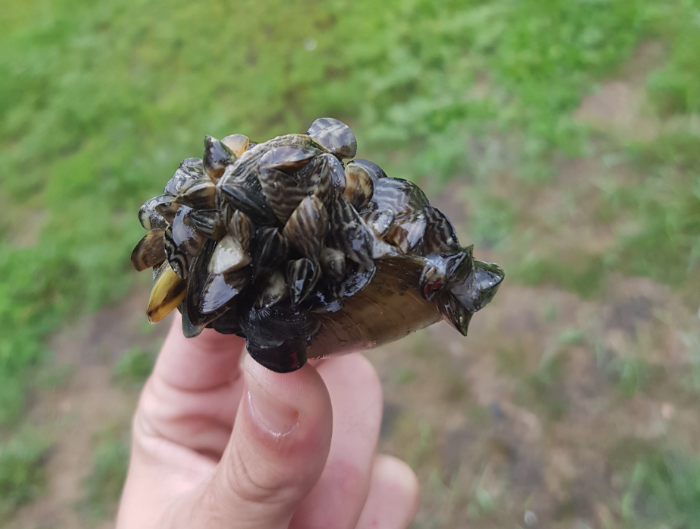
(303,251)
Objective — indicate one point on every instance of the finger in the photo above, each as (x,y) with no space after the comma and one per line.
(394,496)
(195,364)
(200,421)
(356,395)
(192,396)
(277,451)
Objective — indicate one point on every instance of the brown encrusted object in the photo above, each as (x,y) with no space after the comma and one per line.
(302,254)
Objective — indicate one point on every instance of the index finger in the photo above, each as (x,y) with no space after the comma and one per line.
(201,363)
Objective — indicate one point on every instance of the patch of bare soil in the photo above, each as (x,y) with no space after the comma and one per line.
(620,104)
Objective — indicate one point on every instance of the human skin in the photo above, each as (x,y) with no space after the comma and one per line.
(220,443)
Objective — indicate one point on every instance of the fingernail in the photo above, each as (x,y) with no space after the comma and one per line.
(273,415)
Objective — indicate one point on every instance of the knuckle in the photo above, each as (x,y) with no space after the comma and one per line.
(254,481)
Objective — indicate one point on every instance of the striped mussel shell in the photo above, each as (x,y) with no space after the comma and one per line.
(304,250)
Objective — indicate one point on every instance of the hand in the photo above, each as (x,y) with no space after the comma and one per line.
(217,444)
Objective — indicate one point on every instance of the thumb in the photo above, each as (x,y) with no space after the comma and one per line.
(276,453)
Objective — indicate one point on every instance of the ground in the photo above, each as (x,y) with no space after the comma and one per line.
(536,419)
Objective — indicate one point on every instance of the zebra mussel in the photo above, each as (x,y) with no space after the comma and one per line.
(304,250)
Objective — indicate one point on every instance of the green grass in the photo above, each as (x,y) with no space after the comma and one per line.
(545,386)
(631,374)
(103,486)
(575,271)
(690,380)
(666,244)
(664,490)
(21,470)
(134,366)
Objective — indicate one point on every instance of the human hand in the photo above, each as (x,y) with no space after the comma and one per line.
(219,444)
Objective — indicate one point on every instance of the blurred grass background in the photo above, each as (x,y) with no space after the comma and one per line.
(100,102)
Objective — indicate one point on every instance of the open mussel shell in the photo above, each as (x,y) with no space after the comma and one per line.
(167,292)
(149,252)
(303,250)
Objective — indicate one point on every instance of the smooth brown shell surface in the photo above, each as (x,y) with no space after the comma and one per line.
(388,309)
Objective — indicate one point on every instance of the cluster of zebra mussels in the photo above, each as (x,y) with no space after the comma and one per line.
(304,250)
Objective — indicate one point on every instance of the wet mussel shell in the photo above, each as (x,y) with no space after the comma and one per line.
(303,250)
